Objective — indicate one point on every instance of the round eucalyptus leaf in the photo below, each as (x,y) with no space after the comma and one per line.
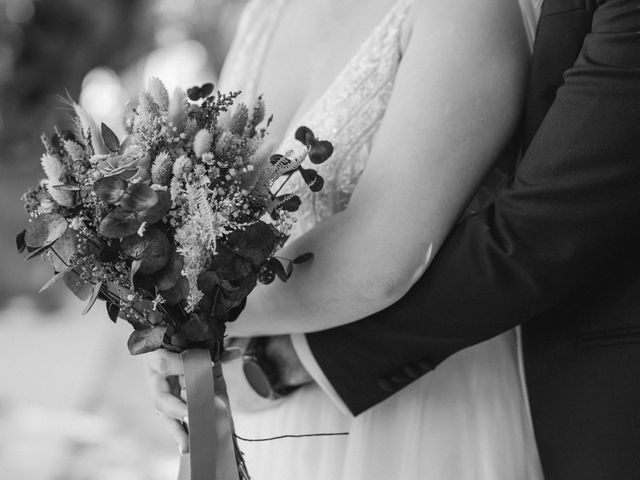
(320,152)
(177,293)
(157,211)
(139,197)
(110,189)
(171,273)
(45,229)
(152,249)
(119,223)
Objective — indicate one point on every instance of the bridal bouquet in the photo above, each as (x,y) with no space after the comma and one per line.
(173,226)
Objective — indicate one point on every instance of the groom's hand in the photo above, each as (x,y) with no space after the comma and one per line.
(291,373)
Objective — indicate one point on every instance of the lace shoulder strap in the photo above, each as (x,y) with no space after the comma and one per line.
(249,47)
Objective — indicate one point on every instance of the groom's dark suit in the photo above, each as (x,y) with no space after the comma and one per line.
(558,251)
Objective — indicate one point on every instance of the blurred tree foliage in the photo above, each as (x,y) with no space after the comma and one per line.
(51,53)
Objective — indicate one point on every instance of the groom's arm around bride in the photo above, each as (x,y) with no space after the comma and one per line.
(558,251)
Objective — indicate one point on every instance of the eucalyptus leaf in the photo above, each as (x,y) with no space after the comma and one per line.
(159,210)
(45,229)
(305,257)
(20,243)
(110,139)
(113,311)
(275,266)
(177,293)
(305,135)
(62,251)
(206,90)
(78,287)
(317,185)
(320,151)
(92,298)
(139,197)
(290,203)
(110,189)
(256,242)
(146,340)
(152,249)
(171,273)
(119,223)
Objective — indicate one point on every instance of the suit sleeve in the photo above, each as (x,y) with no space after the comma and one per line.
(572,207)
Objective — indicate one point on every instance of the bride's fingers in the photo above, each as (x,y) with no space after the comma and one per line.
(177,431)
(165,400)
(164,362)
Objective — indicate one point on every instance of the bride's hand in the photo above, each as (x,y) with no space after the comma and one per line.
(166,379)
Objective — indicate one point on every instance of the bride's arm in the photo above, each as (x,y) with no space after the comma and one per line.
(455,103)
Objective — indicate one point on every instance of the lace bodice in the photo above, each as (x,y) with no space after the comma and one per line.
(348,113)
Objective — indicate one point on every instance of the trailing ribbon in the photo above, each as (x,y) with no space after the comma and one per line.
(212,453)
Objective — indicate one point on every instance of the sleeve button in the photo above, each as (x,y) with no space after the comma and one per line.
(386,385)
(411,372)
(425,366)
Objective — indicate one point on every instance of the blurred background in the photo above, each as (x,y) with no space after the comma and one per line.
(73,402)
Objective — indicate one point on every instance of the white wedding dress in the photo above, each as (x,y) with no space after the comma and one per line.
(469,418)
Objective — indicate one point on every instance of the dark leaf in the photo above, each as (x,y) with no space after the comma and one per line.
(291,204)
(275,266)
(159,210)
(309,175)
(177,293)
(305,257)
(45,229)
(152,249)
(107,254)
(194,94)
(208,281)
(139,197)
(92,298)
(195,329)
(146,340)
(119,223)
(110,189)
(113,311)
(78,287)
(235,312)
(319,152)
(110,139)
(255,243)
(20,243)
(171,273)
(206,90)
(317,185)
(155,317)
(305,135)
